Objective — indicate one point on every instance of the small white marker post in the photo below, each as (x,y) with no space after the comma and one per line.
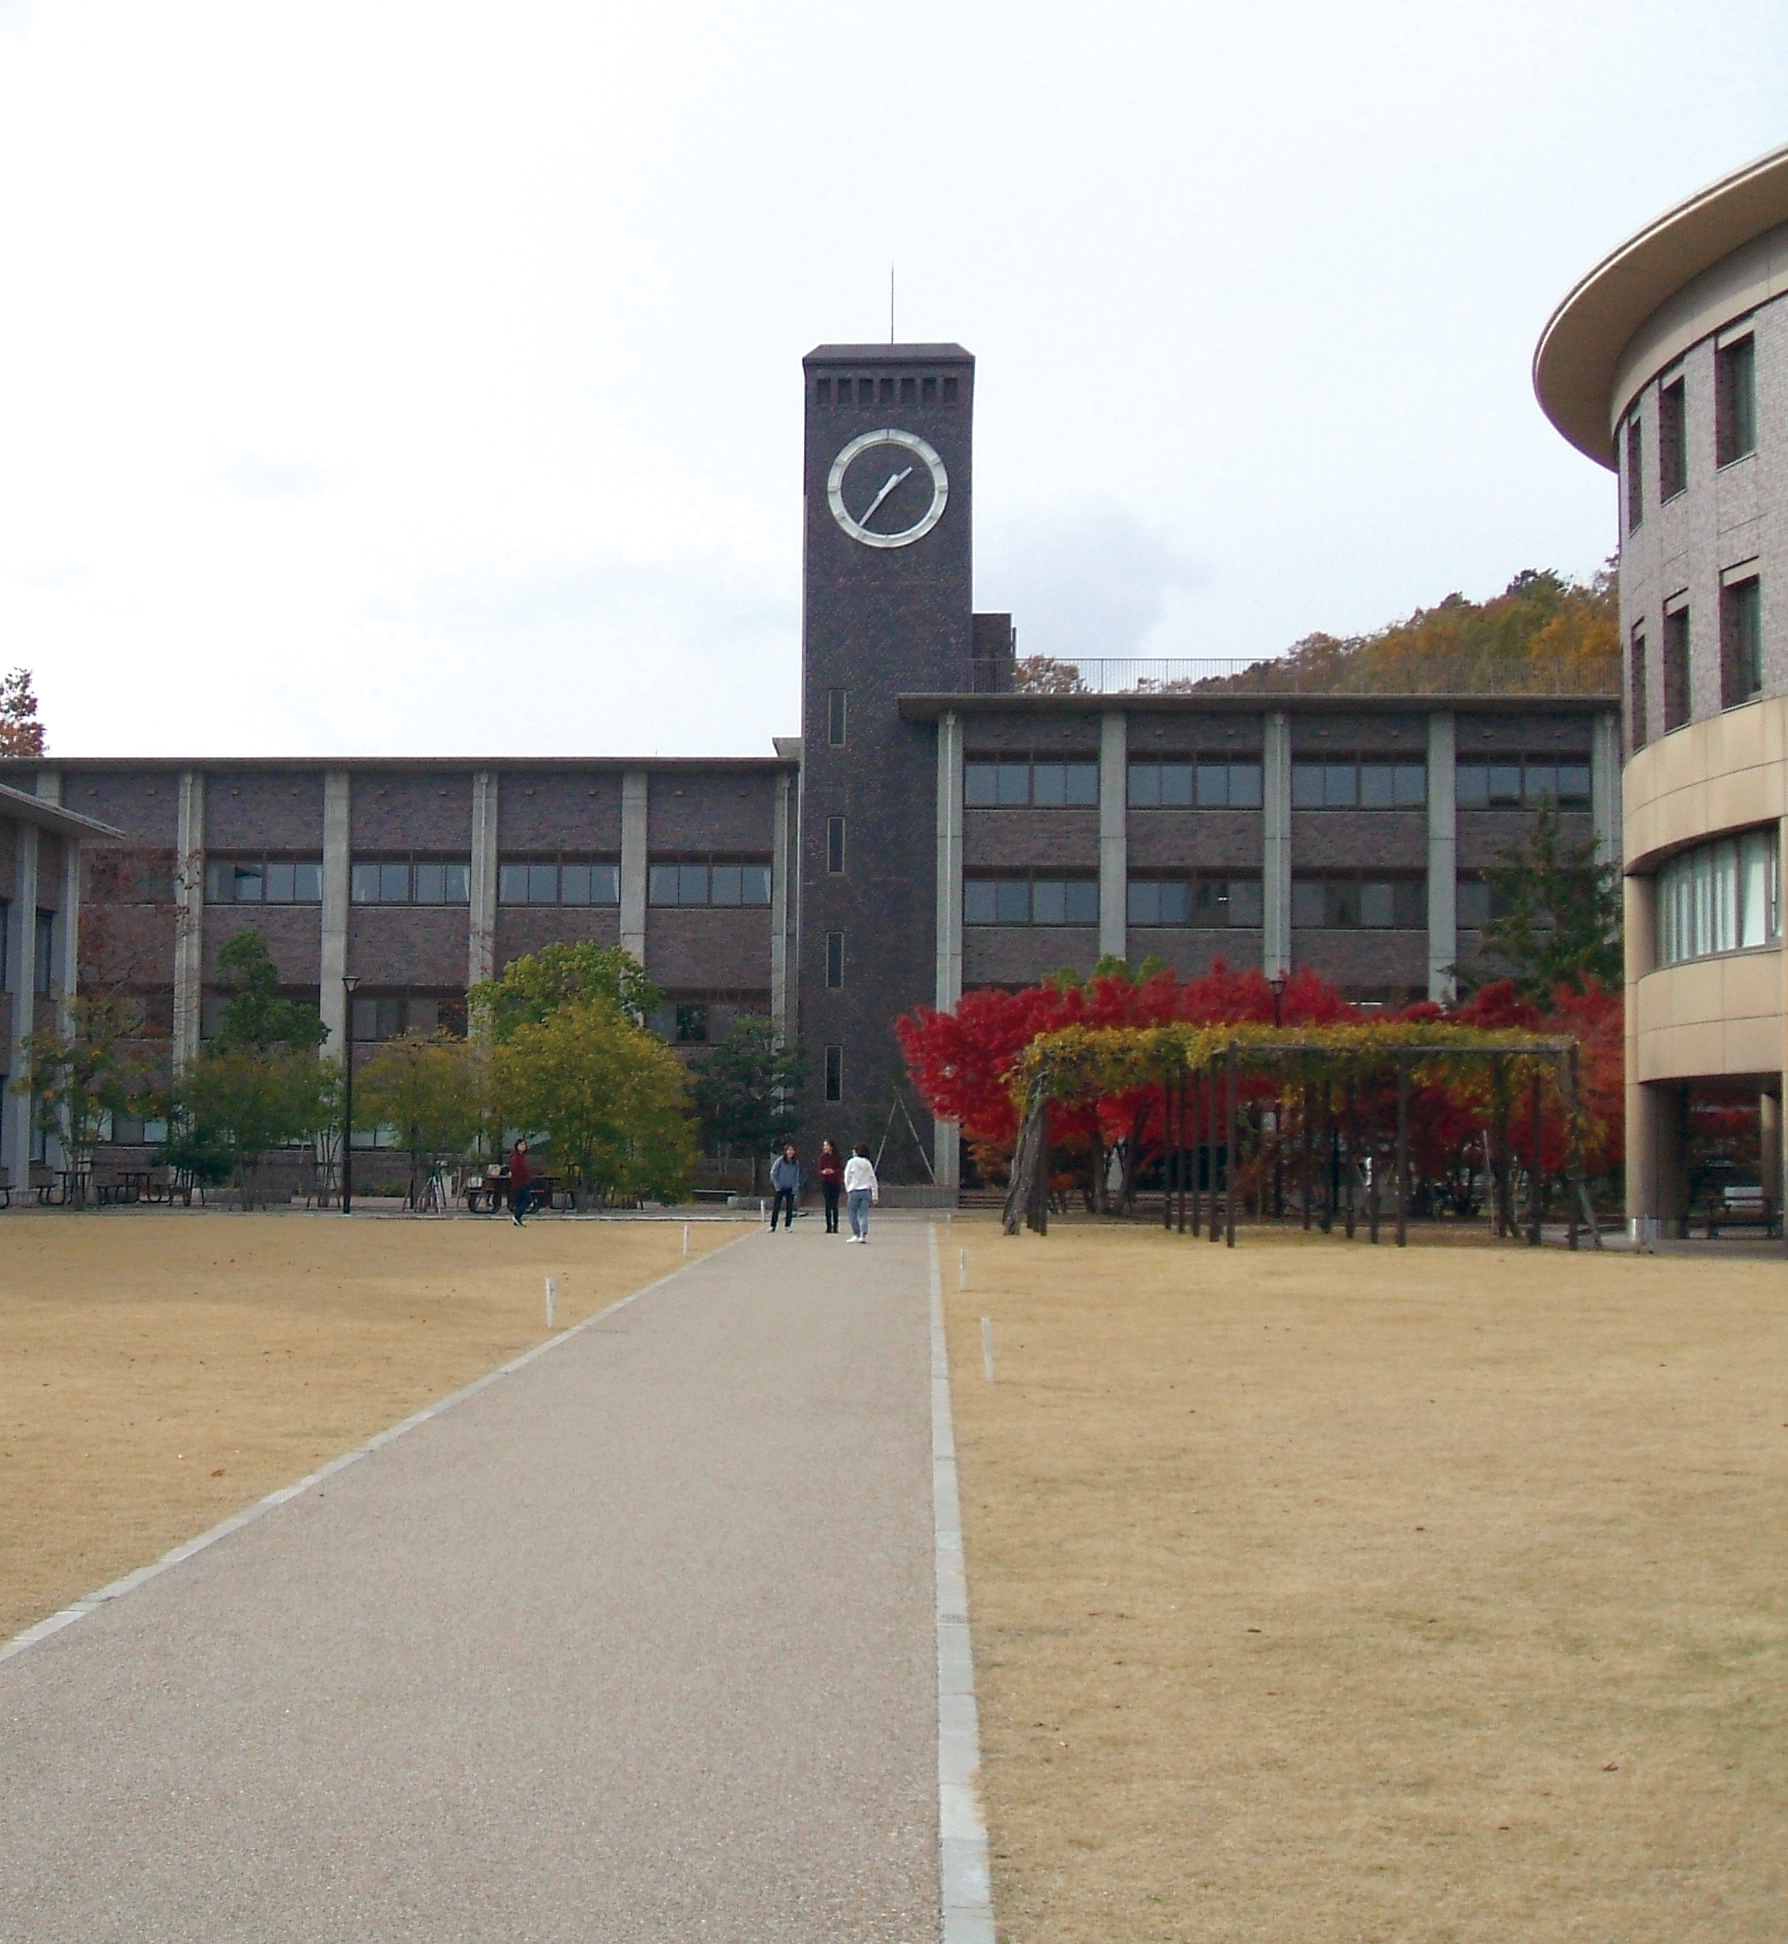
(552,1302)
(685,1238)
(987,1346)
(962,1269)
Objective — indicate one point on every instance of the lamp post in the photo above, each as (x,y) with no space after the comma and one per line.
(349,980)
(1278,983)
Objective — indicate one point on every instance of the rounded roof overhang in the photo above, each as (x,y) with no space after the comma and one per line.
(1578,358)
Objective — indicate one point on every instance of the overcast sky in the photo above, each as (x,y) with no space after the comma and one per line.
(423,379)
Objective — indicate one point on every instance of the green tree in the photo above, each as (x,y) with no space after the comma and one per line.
(746,1088)
(257,1084)
(1555,915)
(79,1077)
(560,974)
(608,1099)
(431,1088)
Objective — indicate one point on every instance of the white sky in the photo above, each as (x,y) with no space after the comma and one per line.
(425,379)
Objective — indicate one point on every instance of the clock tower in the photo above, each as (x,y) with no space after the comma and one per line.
(887,609)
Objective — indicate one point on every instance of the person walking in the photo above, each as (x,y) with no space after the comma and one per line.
(521,1176)
(785,1178)
(860,1189)
(831,1180)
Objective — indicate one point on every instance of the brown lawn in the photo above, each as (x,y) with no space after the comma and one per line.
(1332,1593)
(159,1370)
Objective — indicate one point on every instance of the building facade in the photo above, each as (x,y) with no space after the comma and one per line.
(1668,364)
(930,830)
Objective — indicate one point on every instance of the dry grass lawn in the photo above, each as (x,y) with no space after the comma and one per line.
(1330,1593)
(159,1370)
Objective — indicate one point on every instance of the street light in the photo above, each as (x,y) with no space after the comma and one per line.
(349,980)
(1278,983)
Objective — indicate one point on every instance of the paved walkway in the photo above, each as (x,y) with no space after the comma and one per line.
(637,1644)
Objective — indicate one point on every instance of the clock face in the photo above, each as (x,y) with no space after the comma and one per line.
(888,488)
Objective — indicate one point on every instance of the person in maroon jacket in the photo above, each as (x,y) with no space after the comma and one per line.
(831,1179)
(521,1175)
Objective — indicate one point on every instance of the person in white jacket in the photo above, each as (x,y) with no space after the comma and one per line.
(860,1189)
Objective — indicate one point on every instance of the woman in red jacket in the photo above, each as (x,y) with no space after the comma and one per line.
(831,1179)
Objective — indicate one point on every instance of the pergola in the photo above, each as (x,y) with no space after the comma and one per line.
(1200,1070)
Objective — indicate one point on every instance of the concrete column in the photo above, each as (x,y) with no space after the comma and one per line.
(481,955)
(338,859)
(1443,857)
(67,972)
(945,1135)
(1275,831)
(634,827)
(1643,1133)
(1114,835)
(1604,785)
(784,903)
(1769,1148)
(21,952)
(189,916)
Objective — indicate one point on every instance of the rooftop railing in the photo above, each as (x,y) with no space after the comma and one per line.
(1219,675)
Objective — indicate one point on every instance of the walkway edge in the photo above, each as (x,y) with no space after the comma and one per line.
(963,1872)
(92,1602)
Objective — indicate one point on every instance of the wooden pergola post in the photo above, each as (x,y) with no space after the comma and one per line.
(1214,1228)
(1229,1167)
(1536,1172)
(1309,1132)
(1402,1150)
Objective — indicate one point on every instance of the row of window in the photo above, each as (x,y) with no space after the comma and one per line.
(1735,427)
(1336,783)
(1719,897)
(1741,657)
(1339,902)
(43,949)
(927,389)
(441,881)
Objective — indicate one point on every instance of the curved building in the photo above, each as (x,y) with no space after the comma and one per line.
(1668,364)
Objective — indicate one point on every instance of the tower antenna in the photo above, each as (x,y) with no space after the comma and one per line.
(890,303)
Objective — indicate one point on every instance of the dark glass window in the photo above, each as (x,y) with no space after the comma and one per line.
(536,881)
(1673,439)
(822,390)
(834,1072)
(719,882)
(1180,782)
(1639,691)
(1347,903)
(835,960)
(43,957)
(692,1024)
(835,717)
(1359,783)
(1516,782)
(383,1016)
(1635,474)
(430,881)
(835,845)
(1741,642)
(1735,402)
(1011,781)
(1676,669)
(263,880)
(1030,901)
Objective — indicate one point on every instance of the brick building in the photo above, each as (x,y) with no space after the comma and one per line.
(929,830)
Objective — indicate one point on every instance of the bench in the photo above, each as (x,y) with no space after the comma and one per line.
(1741,1208)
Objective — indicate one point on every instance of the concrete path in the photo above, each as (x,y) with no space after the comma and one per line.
(639,1643)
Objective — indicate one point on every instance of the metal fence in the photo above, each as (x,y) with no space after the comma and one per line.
(1215,674)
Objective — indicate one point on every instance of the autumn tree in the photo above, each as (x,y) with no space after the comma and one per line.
(1555,915)
(562,973)
(430,1088)
(21,734)
(81,1076)
(609,1100)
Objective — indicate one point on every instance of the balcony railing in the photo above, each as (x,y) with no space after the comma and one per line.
(1218,675)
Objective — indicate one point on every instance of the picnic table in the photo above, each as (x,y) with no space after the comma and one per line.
(489,1193)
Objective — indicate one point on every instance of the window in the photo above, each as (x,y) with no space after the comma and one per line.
(1183,781)
(1523,783)
(130,876)
(928,390)
(264,880)
(835,717)
(389,1015)
(1635,474)
(950,388)
(835,960)
(1213,903)
(1741,642)
(1477,903)
(1638,691)
(43,958)
(546,882)
(1722,897)
(834,1072)
(1676,669)
(1673,440)
(989,781)
(712,881)
(835,845)
(1368,904)
(1735,400)
(1359,783)
(1030,901)
(822,391)
(419,880)
(691,1024)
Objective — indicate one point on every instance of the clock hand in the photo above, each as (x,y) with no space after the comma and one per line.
(894,480)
